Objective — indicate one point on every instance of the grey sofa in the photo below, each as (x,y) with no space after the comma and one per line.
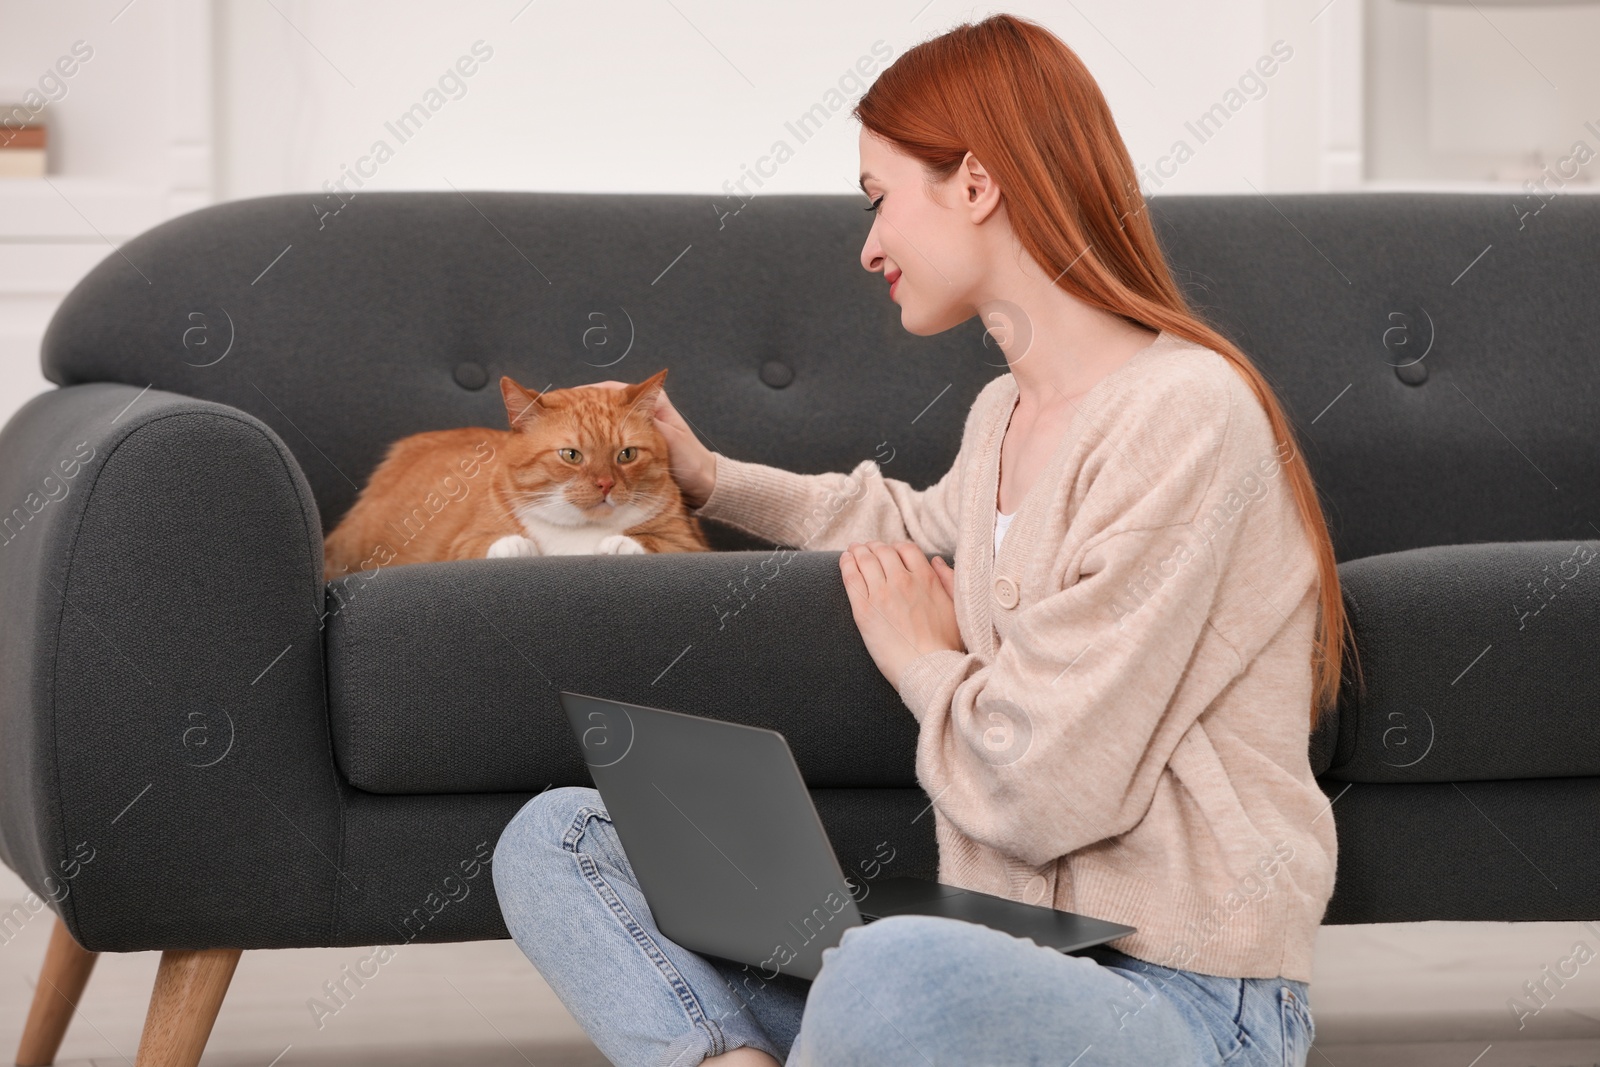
(205,749)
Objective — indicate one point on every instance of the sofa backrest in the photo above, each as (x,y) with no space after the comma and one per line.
(1436,351)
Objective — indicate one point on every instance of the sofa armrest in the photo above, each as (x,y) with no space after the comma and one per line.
(1476,665)
(167,779)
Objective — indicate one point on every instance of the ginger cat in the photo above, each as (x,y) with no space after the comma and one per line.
(582,471)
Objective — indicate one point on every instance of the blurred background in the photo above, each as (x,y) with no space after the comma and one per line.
(173,104)
(119,114)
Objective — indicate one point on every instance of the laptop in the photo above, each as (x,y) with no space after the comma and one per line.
(731,854)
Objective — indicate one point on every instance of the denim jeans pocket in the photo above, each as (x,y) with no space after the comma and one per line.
(1298,1029)
(600,839)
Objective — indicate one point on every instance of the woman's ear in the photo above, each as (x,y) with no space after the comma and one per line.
(979,191)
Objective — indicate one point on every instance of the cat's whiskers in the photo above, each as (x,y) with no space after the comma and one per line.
(549,506)
(536,498)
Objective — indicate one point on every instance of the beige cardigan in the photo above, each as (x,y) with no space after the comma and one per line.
(1126,735)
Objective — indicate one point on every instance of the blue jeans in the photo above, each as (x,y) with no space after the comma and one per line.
(908,989)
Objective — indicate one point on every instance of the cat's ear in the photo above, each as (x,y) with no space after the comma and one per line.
(642,397)
(522,405)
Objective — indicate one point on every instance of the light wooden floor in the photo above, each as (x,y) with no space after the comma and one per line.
(1417,995)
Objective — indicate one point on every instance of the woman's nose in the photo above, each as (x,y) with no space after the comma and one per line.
(871,253)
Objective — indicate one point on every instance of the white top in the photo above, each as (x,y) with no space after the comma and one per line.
(1001,521)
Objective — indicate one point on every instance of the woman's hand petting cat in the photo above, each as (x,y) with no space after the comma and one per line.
(903,605)
(693,465)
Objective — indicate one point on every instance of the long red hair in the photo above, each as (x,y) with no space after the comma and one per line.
(1012,93)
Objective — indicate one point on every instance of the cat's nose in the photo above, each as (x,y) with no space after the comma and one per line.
(605,485)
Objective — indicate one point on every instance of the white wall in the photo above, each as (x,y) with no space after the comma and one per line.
(186,101)
(661,96)
(1498,92)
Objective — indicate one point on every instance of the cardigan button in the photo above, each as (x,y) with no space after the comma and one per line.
(1035,891)
(1005,591)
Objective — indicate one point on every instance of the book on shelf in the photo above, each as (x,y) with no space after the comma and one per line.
(22,147)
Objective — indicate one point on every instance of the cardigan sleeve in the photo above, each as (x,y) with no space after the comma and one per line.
(829,511)
(1059,738)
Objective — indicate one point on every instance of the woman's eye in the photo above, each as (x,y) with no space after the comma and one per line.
(571,455)
(874,205)
(627,454)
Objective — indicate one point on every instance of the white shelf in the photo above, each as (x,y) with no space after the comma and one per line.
(1442,185)
(51,269)
(69,209)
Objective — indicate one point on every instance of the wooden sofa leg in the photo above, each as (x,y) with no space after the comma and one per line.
(61,980)
(190,985)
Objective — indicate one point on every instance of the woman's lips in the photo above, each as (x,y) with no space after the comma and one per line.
(893,283)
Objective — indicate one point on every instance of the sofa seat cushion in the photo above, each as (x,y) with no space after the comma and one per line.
(1474,662)
(444,677)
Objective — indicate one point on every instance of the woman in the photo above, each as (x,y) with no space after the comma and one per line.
(1112,686)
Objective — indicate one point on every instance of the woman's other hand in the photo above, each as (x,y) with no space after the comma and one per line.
(692,464)
(903,605)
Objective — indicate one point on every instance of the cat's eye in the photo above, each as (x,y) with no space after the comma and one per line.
(571,455)
(627,455)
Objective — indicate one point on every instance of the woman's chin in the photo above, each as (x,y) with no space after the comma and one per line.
(922,325)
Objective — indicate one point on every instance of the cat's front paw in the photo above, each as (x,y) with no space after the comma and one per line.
(512,545)
(619,545)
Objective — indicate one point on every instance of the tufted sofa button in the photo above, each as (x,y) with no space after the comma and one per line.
(470,375)
(776,373)
(1412,373)
(1005,591)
